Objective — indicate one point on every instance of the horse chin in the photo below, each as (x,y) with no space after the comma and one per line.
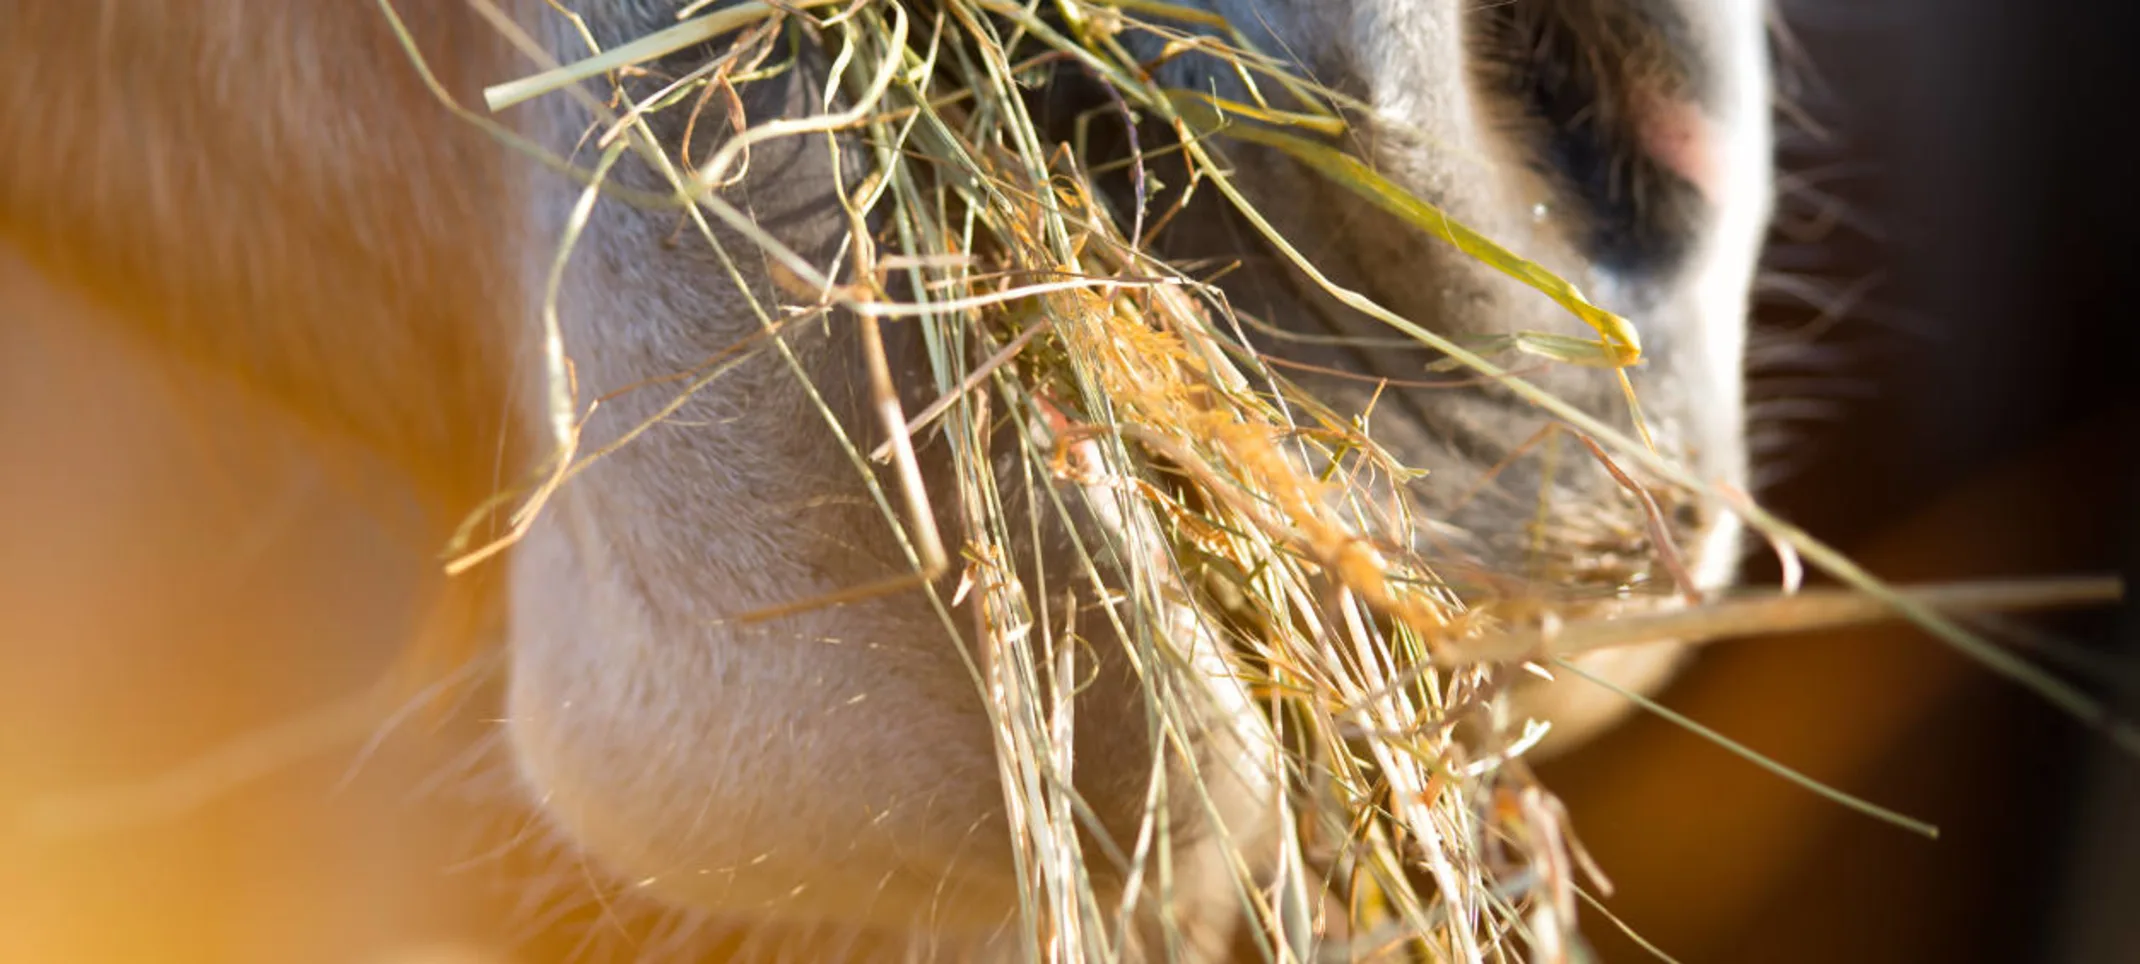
(1579,710)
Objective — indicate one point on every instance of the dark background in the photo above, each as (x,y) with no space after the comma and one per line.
(1945,387)
(1992,145)
(1982,150)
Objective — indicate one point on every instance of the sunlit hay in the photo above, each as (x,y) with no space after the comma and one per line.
(1238,508)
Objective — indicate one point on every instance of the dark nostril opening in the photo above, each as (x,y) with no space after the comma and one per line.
(1599,95)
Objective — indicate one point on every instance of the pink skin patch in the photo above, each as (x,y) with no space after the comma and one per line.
(1674,133)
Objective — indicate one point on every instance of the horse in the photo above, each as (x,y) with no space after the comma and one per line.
(272,332)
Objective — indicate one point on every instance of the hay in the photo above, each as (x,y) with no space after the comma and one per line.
(1131,378)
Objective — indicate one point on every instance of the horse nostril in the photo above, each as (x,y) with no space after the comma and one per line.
(1607,104)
